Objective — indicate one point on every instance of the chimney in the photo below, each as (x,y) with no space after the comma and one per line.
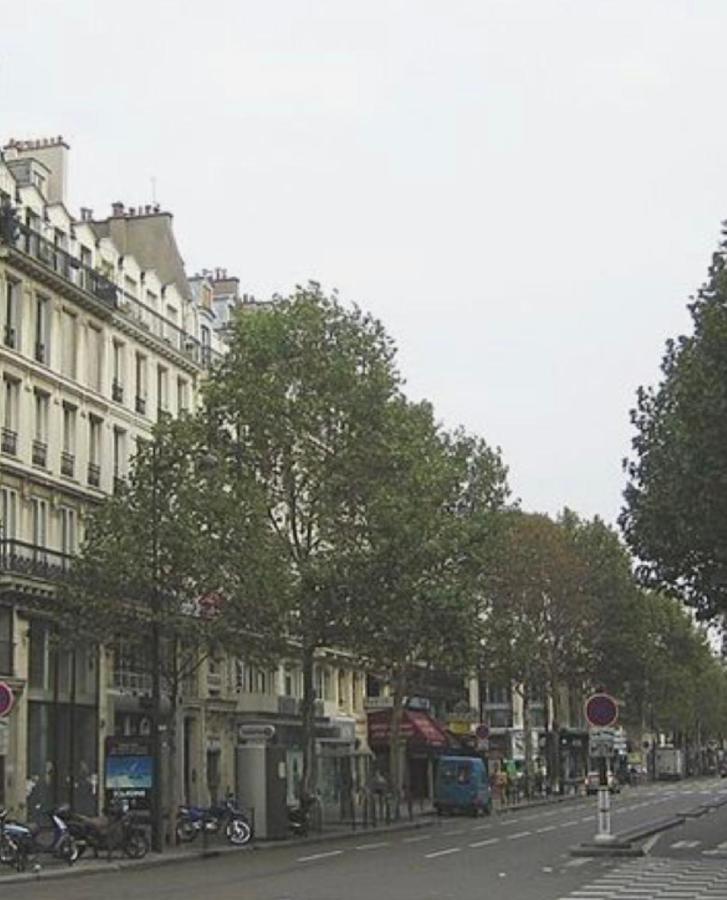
(52,153)
(86,214)
(117,209)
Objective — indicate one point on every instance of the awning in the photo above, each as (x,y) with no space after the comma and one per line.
(418,728)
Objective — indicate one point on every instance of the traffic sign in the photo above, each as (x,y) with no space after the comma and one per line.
(7,698)
(482,732)
(601,710)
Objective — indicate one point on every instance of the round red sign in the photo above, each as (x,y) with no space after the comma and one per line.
(7,698)
(601,710)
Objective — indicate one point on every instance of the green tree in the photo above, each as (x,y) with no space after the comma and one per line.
(675,514)
(301,395)
(414,598)
(154,578)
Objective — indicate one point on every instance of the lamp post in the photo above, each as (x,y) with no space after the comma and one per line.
(157,804)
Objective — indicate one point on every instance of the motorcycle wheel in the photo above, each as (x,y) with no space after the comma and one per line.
(9,852)
(136,845)
(68,850)
(238,832)
(186,832)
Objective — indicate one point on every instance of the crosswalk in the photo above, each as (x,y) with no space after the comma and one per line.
(658,879)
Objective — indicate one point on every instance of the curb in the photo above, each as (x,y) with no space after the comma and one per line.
(428,820)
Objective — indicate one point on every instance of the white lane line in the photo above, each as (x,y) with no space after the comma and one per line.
(481,827)
(587,819)
(442,852)
(543,830)
(579,861)
(519,834)
(421,837)
(456,831)
(485,843)
(568,824)
(319,856)
(511,822)
(373,846)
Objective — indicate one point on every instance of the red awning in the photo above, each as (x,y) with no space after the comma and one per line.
(418,729)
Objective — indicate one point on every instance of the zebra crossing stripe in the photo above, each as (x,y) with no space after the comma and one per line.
(658,879)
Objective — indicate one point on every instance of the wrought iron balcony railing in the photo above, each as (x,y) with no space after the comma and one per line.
(68,464)
(22,558)
(94,474)
(40,453)
(9,441)
(103,289)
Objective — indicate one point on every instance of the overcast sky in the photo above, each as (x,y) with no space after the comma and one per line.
(524,191)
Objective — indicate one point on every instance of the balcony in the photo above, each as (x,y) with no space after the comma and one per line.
(131,681)
(68,464)
(40,353)
(10,337)
(140,405)
(94,475)
(21,558)
(117,391)
(40,453)
(9,441)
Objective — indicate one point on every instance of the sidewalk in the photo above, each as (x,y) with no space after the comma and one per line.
(53,869)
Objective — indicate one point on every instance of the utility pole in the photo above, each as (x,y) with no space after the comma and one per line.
(157,804)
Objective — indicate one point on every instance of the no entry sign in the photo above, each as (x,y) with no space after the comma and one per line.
(601,710)
(7,698)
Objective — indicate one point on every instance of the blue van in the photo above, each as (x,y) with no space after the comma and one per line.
(462,784)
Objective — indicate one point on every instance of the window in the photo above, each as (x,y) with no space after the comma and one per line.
(39,521)
(9,513)
(12,314)
(152,301)
(206,339)
(69,341)
(119,453)
(94,451)
(171,329)
(244,677)
(288,683)
(68,530)
(40,434)
(6,641)
(342,685)
(140,378)
(68,453)
(42,329)
(130,287)
(94,357)
(162,390)
(38,655)
(182,395)
(11,397)
(117,387)
(498,693)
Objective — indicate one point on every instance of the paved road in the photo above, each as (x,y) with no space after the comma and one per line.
(518,856)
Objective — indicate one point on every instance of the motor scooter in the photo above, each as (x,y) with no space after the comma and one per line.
(33,839)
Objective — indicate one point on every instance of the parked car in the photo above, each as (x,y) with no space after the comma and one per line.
(593,781)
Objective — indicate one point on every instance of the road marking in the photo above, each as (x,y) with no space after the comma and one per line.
(372,846)
(485,843)
(481,827)
(685,845)
(579,861)
(568,824)
(511,822)
(543,830)
(442,852)
(457,831)
(651,843)
(514,837)
(319,856)
(414,840)
(587,819)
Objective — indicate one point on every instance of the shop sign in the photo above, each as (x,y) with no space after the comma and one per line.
(7,698)
(378,703)
(459,726)
(256,732)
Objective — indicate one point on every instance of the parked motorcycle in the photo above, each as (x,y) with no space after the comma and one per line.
(225,818)
(9,852)
(299,817)
(116,831)
(32,839)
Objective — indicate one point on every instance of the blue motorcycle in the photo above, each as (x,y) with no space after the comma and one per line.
(26,841)
(225,818)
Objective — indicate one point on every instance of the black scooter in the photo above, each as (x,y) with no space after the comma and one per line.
(104,834)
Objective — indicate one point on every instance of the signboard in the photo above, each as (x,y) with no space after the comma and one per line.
(7,698)
(602,742)
(601,710)
(129,772)
(482,732)
(256,732)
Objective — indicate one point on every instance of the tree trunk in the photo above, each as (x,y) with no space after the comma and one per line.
(307,711)
(557,774)
(528,733)
(395,769)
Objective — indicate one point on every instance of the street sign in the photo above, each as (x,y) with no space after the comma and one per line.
(601,710)
(482,732)
(602,742)
(7,698)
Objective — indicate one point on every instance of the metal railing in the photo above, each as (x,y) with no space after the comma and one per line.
(40,453)
(9,441)
(31,559)
(130,680)
(106,292)
(68,464)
